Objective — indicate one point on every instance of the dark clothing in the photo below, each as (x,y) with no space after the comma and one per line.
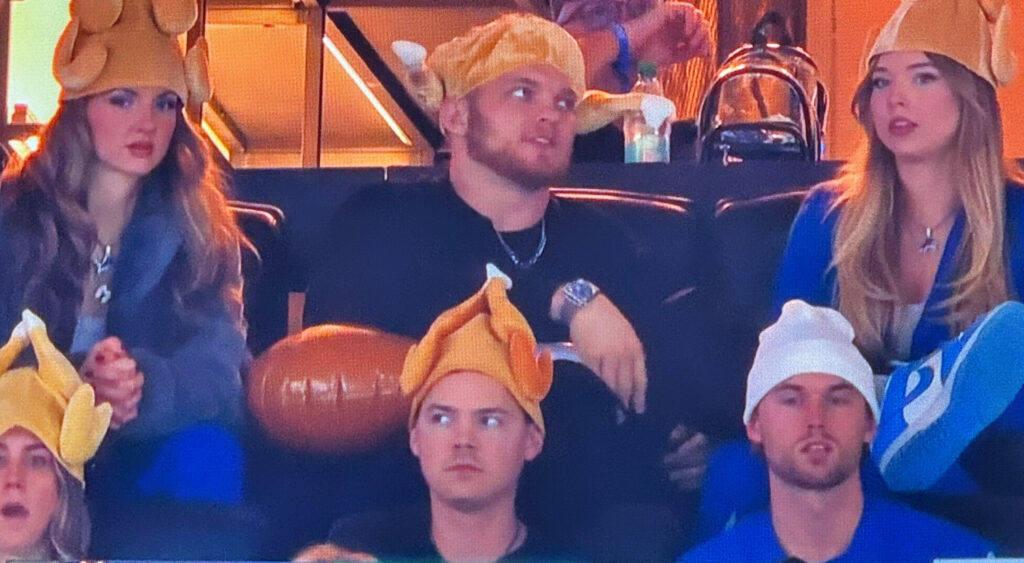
(402,254)
(191,360)
(191,363)
(404,535)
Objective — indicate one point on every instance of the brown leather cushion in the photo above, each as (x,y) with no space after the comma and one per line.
(330,389)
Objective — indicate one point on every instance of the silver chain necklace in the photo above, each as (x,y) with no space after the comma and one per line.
(525,264)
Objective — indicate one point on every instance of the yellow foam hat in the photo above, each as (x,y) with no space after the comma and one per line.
(484,334)
(509,42)
(52,402)
(130,44)
(975,33)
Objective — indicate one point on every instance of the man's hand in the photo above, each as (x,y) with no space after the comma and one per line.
(687,461)
(608,345)
(115,377)
(330,552)
(671,32)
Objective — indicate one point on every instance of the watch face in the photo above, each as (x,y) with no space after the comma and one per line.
(581,291)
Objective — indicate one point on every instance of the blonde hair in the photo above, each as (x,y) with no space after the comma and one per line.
(70,527)
(864,249)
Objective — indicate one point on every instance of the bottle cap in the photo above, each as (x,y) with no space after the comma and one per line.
(647,69)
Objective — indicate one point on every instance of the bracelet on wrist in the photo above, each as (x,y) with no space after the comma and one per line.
(624,61)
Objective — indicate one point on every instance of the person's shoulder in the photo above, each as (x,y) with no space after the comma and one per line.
(392,209)
(579,209)
(823,199)
(402,532)
(1014,195)
(537,548)
(752,538)
(589,221)
(920,528)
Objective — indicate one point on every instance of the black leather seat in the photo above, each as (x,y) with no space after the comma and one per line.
(749,238)
(662,226)
(265,292)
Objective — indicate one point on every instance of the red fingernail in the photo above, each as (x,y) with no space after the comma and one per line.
(100,358)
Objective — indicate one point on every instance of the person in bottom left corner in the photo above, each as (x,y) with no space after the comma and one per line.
(117,232)
(49,427)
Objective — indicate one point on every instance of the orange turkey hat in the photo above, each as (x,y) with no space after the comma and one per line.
(485,334)
(112,44)
(50,401)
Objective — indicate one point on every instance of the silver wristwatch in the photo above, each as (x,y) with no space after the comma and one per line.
(578,294)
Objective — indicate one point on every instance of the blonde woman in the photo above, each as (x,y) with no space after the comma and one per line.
(42,507)
(921,235)
(117,232)
(50,426)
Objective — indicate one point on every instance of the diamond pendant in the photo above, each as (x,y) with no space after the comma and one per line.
(930,244)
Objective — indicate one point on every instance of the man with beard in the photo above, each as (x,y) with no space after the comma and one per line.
(510,102)
(811,409)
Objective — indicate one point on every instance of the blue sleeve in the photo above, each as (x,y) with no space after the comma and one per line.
(1015,239)
(199,380)
(804,272)
(751,539)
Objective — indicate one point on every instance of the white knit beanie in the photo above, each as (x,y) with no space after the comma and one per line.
(807,339)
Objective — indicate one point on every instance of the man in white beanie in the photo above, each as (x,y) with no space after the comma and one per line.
(811,410)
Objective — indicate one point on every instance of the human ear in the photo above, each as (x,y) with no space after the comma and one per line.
(454,116)
(869,433)
(534,442)
(754,429)
(414,441)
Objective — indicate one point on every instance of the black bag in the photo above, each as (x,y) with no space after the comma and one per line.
(765,103)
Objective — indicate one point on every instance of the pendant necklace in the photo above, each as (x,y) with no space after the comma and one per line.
(102,261)
(931,243)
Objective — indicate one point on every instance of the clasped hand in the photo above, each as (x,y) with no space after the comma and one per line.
(115,376)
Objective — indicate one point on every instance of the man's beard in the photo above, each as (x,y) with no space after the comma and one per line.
(786,470)
(504,163)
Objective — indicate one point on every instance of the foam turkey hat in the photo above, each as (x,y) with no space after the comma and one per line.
(50,400)
(511,41)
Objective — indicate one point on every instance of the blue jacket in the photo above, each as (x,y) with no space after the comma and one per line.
(191,362)
(886,532)
(806,274)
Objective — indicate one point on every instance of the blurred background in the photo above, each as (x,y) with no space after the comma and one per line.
(312,83)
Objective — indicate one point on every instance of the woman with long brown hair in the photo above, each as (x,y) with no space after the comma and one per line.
(922,234)
(117,232)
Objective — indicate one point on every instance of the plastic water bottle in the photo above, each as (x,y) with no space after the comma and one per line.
(643,142)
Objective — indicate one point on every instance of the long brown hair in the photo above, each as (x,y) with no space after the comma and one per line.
(43,200)
(864,249)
